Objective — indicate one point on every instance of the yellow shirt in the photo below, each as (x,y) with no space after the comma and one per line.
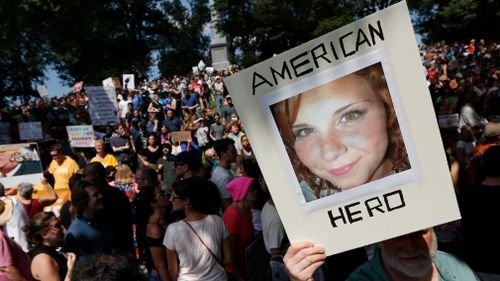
(109,160)
(62,173)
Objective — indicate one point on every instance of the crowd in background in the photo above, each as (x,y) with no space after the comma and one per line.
(194,207)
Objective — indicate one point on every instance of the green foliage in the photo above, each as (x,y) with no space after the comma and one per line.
(184,44)
(22,48)
(258,29)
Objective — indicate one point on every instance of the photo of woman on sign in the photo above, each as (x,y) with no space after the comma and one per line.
(342,134)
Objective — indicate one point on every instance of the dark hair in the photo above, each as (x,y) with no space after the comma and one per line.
(491,161)
(222,145)
(202,193)
(150,174)
(166,145)
(95,172)
(75,178)
(80,197)
(36,226)
(107,267)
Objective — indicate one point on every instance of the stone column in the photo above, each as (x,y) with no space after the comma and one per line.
(218,43)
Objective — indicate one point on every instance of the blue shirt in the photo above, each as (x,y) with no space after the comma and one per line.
(84,238)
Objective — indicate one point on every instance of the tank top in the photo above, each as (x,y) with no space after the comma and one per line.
(56,256)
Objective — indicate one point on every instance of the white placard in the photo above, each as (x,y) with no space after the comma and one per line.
(128,81)
(42,90)
(81,136)
(338,129)
(448,121)
(30,131)
(201,65)
(108,82)
(103,107)
(20,163)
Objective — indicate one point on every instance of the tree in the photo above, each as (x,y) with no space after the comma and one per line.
(258,29)
(460,20)
(23,49)
(95,39)
(184,44)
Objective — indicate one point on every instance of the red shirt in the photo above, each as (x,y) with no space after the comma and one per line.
(240,227)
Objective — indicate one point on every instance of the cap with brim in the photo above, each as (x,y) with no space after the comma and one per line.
(6,210)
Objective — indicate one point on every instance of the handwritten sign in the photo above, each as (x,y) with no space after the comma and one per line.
(181,136)
(81,136)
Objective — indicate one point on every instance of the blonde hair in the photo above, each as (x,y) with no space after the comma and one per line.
(124,175)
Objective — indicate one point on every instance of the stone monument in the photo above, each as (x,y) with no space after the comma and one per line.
(218,43)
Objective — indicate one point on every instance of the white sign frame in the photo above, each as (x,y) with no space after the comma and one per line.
(408,201)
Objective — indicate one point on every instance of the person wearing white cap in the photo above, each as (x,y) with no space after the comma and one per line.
(14,262)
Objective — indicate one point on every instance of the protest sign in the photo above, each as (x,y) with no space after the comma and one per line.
(20,163)
(30,131)
(448,121)
(195,70)
(108,82)
(78,87)
(209,70)
(338,127)
(103,107)
(180,136)
(201,65)
(81,136)
(42,91)
(128,81)
(113,82)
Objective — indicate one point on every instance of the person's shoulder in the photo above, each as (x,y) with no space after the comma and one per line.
(452,266)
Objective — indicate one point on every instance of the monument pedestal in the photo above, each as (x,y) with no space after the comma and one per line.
(218,44)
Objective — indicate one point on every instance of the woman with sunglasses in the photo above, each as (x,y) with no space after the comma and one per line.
(156,261)
(198,246)
(44,234)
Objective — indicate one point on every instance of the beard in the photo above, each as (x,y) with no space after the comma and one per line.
(420,264)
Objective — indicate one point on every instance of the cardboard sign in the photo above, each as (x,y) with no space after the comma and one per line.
(128,81)
(81,136)
(103,107)
(336,125)
(30,131)
(21,163)
(180,136)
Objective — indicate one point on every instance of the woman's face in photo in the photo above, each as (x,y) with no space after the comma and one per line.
(341,133)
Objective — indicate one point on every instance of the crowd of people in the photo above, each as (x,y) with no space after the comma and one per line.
(174,190)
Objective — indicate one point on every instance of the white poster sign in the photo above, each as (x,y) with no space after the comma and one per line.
(103,107)
(128,81)
(108,82)
(201,65)
(20,163)
(195,70)
(81,136)
(42,91)
(30,131)
(338,129)
(448,121)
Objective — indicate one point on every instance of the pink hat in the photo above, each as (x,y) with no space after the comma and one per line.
(239,187)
